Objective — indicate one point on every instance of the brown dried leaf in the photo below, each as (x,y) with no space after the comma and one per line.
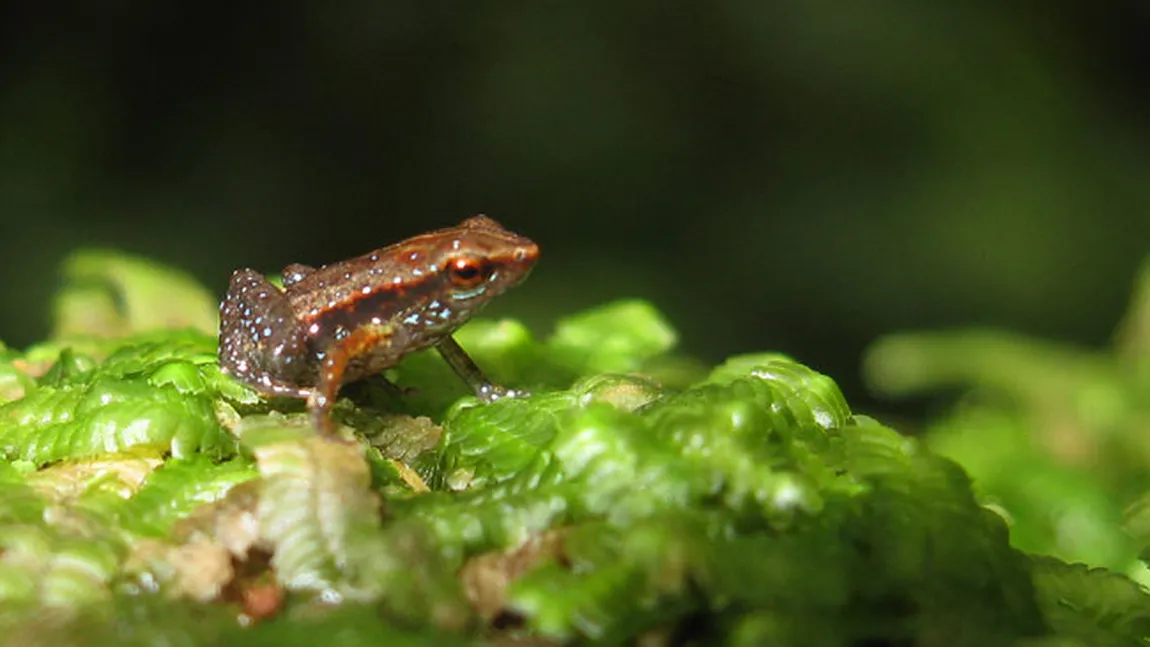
(200,560)
(231,522)
(487,577)
(198,570)
(402,437)
(202,569)
(119,473)
(410,476)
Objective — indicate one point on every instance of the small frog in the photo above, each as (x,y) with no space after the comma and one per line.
(338,323)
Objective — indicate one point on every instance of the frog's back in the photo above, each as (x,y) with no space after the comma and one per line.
(344,284)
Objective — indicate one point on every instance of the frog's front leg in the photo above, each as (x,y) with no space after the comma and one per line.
(470,373)
(262,344)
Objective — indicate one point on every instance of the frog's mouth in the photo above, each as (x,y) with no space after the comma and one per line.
(465,295)
(483,288)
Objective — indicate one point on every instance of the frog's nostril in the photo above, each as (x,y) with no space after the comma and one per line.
(526,253)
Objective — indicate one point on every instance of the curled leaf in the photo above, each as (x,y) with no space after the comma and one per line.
(110,293)
(615,338)
(316,512)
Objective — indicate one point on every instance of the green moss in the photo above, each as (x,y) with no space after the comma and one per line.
(145,497)
(1053,435)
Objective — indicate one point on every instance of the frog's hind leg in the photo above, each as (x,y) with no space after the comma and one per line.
(261,342)
(334,368)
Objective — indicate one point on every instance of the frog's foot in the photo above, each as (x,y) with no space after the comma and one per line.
(492,392)
(320,406)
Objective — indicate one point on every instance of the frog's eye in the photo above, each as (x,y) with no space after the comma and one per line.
(468,272)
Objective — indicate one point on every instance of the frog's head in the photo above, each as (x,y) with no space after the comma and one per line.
(467,266)
(479,260)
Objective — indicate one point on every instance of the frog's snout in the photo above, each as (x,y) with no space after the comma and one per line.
(526,254)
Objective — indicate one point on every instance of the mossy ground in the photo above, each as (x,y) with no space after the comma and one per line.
(147,499)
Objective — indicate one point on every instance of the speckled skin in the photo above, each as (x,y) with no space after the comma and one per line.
(341,322)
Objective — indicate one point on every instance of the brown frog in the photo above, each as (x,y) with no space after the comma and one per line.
(340,322)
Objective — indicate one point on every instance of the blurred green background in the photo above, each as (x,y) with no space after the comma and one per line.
(798,175)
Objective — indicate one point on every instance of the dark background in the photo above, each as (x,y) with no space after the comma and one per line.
(795,175)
